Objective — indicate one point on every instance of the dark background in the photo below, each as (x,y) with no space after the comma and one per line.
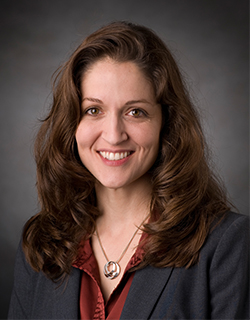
(209,39)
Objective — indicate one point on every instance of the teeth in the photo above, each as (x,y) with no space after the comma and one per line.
(117,156)
(114,156)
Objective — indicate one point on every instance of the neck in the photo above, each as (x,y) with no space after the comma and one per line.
(124,206)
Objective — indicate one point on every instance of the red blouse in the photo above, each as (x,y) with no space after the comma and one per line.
(92,305)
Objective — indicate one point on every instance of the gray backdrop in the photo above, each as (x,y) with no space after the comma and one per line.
(209,39)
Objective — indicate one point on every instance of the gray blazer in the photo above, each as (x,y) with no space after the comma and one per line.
(216,288)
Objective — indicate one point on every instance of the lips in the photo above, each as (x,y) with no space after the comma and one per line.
(114,156)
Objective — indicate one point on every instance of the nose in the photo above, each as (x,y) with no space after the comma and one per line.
(114,131)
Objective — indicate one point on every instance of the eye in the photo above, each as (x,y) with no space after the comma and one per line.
(137,113)
(92,111)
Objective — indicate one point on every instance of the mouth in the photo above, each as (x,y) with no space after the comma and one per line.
(114,156)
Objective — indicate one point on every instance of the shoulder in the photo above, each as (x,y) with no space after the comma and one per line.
(26,283)
(36,296)
(23,270)
(234,220)
(215,288)
(233,227)
(219,282)
(226,257)
(226,237)
(24,273)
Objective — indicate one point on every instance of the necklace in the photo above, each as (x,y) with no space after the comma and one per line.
(112,269)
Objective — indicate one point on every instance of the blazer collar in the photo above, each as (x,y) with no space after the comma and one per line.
(148,282)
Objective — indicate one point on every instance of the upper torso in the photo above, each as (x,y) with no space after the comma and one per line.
(215,288)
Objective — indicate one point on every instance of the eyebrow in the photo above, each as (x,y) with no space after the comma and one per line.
(93,100)
(128,103)
(136,101)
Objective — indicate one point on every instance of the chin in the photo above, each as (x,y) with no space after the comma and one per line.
(112,185)
(119,184)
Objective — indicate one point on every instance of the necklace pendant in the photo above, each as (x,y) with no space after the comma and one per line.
(111,270)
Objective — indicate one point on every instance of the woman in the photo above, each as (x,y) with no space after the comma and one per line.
(133,224)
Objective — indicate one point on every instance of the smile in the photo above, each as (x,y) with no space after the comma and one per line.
(114,156)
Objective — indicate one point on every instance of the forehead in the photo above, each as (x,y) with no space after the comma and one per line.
(107,76)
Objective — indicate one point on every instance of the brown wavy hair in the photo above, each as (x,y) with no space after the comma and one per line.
(186,196)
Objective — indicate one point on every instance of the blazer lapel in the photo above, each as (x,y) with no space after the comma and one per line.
(145,290)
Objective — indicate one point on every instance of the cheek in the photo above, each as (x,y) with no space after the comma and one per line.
(78,136)
(84,135)
(149,138)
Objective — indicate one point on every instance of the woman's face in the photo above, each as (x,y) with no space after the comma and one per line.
(118,135)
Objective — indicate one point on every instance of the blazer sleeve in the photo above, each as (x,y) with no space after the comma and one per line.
(21,298)
(34,296)
(229,273)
